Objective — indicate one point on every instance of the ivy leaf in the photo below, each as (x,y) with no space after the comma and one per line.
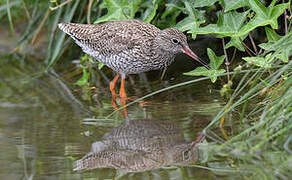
(133,7)
(283,43)
(265,62)
(119,10)
(264,16)
(202,71)
(284,55)
(282,47)
(192,22)
(204,3)
(236,42)
(232,23)
(150,12)
(215,63)
(228,24)
(234,4)
(170,14)
(272,35)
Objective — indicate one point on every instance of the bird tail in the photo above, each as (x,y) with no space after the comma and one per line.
(76,30)
(86,163)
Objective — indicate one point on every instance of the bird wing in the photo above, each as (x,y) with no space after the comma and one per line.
(113,37)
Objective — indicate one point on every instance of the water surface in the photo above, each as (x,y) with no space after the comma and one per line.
(46,125)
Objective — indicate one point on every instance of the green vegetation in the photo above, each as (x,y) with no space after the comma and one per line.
(257,87)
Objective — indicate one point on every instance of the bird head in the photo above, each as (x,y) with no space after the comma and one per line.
(183,154)
(174,42)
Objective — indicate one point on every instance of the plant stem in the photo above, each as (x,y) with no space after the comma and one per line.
(233,56)
(40,26)
(10,18)
(248,50)
(26,10)
(89,11)
(61,5)
(253,44)
(285,19)
(226,60)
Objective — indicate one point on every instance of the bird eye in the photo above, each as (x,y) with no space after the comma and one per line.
(186,155)
(175,41)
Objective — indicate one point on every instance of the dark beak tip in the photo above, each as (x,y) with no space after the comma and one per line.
(190,53)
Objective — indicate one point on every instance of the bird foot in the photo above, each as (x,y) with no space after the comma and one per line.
(141,103)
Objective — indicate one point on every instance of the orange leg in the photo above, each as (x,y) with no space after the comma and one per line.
(113,84)
(123,96)
(112,89)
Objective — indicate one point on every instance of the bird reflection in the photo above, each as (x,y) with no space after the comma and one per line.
(140,145)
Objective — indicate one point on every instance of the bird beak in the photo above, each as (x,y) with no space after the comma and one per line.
(190,53)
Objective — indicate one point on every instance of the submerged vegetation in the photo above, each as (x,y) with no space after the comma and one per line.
(257,86)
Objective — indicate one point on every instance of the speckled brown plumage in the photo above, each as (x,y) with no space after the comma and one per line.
(128,46)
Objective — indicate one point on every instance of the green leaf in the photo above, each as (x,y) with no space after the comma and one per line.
(220,19)
(284,55)
(282,47)
(150,12)
(265,62)
(133,7)
(100,65)
(192,22)
(283,43)
(175,6)
(215,63)
(264,16)
(200,3)
(234,4)
(170,8)
(228,24)
(84,79)
(169,16)
(232,23)
(119,10)
(272,35)
(202,71)
(236,42)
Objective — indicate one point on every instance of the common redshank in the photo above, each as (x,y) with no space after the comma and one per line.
(129,47)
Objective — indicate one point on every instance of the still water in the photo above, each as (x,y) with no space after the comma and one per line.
(46,126)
